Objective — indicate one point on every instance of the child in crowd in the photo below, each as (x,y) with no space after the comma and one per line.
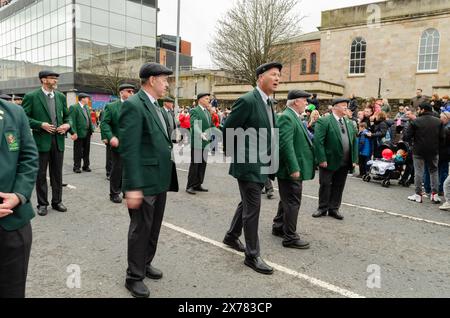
(365,149)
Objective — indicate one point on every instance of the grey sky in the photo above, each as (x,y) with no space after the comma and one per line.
(199,17)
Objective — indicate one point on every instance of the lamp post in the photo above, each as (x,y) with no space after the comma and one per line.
(177,70)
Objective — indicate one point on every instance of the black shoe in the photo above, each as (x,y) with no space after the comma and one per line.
(277,232)
(137,289)
(336,215)
(87,169)
(234,244)
(299,244)
(59,207)
(191,191)
(116,199)
(153,273)
(42,210)
(201,189)
(270,195)
(64,185)
(258,265)
(77,170)
(319,214)
(108,178)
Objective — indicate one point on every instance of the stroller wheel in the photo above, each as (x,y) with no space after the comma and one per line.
(386,183)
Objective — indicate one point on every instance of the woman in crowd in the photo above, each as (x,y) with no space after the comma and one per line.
(379,133)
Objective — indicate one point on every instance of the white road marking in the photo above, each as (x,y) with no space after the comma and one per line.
(309,279)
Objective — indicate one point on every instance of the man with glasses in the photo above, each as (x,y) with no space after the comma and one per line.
(110,131)
(336,152)
(50,121)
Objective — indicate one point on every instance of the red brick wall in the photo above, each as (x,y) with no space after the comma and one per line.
(185,48)
(302,50)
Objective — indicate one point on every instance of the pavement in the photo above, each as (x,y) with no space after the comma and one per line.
(385,247)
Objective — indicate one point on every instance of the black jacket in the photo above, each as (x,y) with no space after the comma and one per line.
(426,133)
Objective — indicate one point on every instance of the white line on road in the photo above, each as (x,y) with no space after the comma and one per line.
(309,279)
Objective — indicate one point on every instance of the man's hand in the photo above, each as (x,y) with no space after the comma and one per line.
(324,165)
(134,199)
(369,134)
(48,128)
(63,129)
(114,142)
(10,201)
(74,137)
(204,137)
(295,175)
(105,141)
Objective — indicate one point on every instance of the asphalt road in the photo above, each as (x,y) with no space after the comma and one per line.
(385,247)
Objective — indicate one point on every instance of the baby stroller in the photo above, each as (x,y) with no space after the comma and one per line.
(387,169)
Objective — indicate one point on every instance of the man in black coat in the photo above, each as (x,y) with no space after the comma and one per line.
(426,134)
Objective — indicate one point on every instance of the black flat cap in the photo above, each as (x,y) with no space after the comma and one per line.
(18,98)
(168,99)
(426,106)
(153,69)
(83,95)
(5,97)
(292,95)
(45,74)
(199,96)
(268,66)
(126,86)
(340,100)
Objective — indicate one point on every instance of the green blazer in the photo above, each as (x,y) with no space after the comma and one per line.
(79,121)
(35,107)
(296,149)
(248,113)
(146,150)
(328,142)
(110,123)
(19,163)
(205,123)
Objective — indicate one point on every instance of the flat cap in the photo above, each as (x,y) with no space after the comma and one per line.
(268,66)
(168,99)
(201,95)
(340,100)
(292,95)
(46,73)
(83,95)
(153,69)
(5,97)
(18,97)
(126,86)
(426,106)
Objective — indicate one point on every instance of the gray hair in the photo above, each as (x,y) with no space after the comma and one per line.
(290,102)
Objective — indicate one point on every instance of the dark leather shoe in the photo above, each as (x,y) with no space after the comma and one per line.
(201,189)
(87,170)
(191,191)
(42,210)
(116,199)
(153,273)
(137,289)
(77,170)
(319,214)
(270,195)
(59,207)
(336,215)
(234,244)
(258,265)
(276,232)
(299,244)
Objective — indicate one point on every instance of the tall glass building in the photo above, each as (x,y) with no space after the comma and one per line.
(92,43)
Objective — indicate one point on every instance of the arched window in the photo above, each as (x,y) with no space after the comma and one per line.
(358,56)
(303,70)
(313,63)
(429,51)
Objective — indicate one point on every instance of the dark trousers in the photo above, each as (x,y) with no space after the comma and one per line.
(108,166)
(116,174)
(15,247)
(443,174)
(268,186)
(247,217)
(288,208)
(363,160)
(54,160)
(197,169)
(81,150)
(332,184)
(143,235)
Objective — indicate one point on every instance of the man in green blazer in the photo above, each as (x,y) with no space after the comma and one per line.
(19,165)
(249,137)
(148,173)
(110,132)
(50,121)
(201,124)
(297,164)
(82,130)
(336,149)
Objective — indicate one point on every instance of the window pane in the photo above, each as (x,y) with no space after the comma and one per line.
(100,17)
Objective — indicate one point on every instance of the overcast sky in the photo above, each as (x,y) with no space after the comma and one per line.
(199,17)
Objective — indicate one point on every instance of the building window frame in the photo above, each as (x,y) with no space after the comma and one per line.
(358,57)
(429,36)
(303,66)
(313,63)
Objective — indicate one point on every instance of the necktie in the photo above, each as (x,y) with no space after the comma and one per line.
(207,116)
(270,112)
(161,118)
(342,125)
